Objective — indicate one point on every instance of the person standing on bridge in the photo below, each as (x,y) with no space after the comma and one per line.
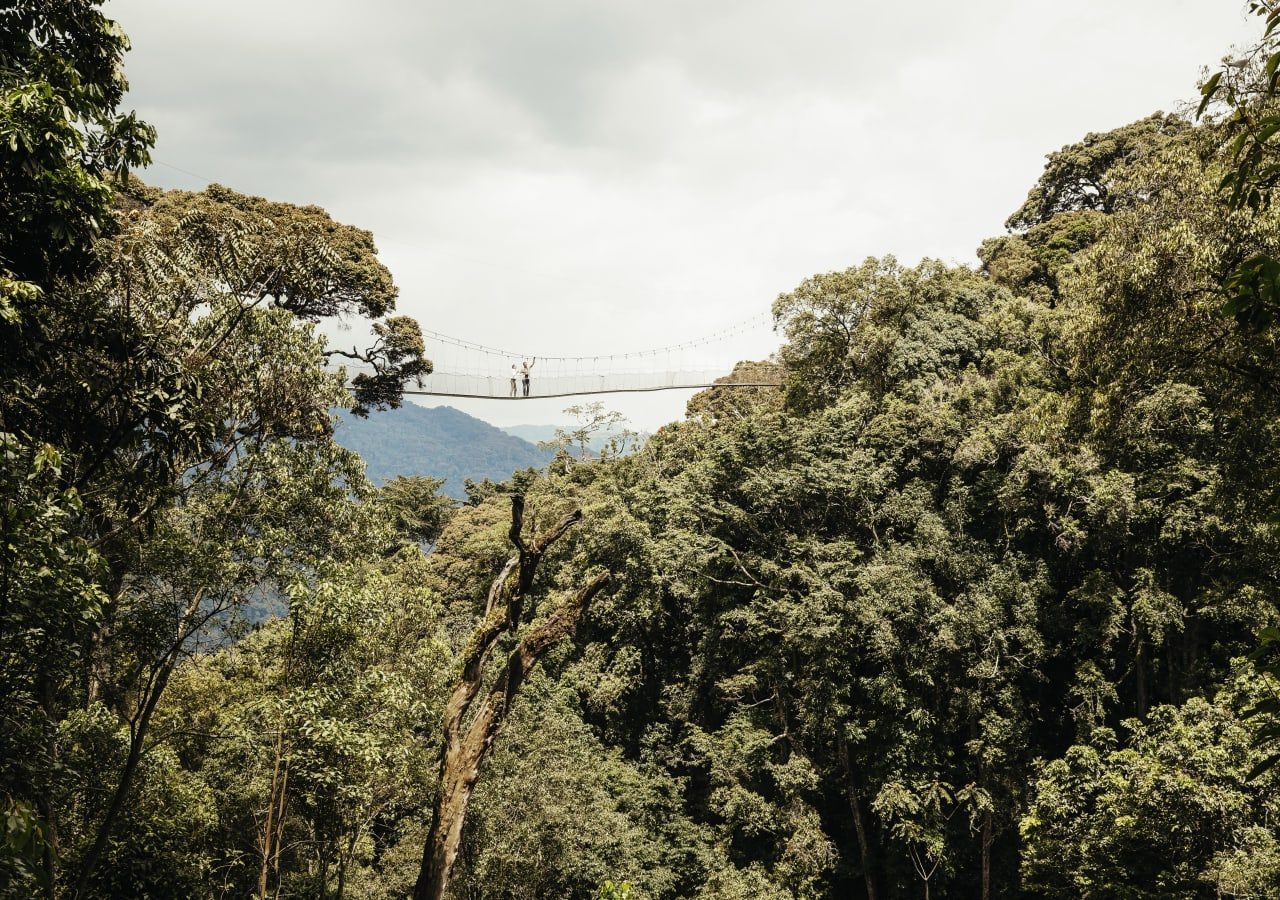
(514,374)
(524,372)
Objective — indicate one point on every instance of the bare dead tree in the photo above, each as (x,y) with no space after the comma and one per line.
(464,747)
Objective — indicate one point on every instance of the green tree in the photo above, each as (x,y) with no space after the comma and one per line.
(62,139)
(1241,100)
(159,348)
(419,511)
(1171,813)
(466,734)
(596,433)
(1080,175)
(305,730)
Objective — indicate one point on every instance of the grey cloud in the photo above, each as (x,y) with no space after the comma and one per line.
(444,80)
(582,173)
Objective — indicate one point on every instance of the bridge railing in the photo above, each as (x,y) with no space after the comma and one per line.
(448,384)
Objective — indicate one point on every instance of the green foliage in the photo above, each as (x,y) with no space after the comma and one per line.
(877,634)
(1246,87)
(1078,177)
(61,137)
(51,592)
(419,512)
(1170,814)
(1033,262)
(314,717)
(557,814)
(596,432)
(1242,96)
(25,843)
(395,357)
(295,255)
(867,325)
(166,443)
(985,526)
(256,253)
(714,405)
(158,849)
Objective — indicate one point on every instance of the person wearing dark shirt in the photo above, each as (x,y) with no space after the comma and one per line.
(524,373)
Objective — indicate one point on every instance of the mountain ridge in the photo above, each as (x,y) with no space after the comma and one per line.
(438,441)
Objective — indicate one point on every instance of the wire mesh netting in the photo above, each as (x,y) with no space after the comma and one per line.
(466,385)
(467,369)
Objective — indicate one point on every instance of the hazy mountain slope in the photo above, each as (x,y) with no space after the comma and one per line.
(438,441)
(536,433)
(533,433)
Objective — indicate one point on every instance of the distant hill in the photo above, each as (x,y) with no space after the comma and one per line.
(535,433)
(439,441)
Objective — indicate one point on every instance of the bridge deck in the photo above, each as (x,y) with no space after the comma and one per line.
(638,390)
(499,387)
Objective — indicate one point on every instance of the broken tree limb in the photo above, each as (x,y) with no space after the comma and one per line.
(463,750)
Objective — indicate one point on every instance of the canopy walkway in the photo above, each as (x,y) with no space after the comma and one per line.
(467,369)
(454,384)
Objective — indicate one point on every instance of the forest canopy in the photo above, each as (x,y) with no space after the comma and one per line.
(971,608)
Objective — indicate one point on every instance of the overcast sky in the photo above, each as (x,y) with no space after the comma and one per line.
(583,176)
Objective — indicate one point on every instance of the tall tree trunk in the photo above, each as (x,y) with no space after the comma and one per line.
(344,860)
(46,807)
(1140,677)
(859,826)
(988,838)
(281,814)
(99,640)
(268,828)
(458,776)
(463,750)
(323,866)
(138,728)
(98,654)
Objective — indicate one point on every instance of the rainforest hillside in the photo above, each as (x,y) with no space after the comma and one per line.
(438,442)
(982,603)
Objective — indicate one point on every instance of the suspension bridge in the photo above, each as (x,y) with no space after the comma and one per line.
(465,368)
